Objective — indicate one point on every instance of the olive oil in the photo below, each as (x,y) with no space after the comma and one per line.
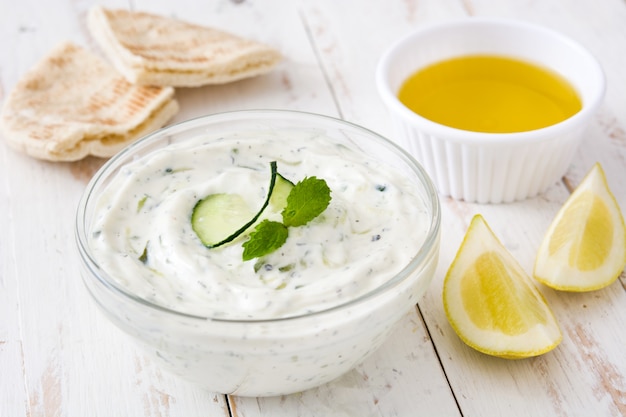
(485,93)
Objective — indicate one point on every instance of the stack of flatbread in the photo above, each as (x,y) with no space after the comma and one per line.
(73,104)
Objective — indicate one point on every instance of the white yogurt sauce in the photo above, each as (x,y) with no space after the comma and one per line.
(373,226)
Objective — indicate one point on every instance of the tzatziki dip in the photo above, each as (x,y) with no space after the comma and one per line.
(143,238)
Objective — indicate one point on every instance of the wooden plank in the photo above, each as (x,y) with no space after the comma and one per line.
(12,381)
(12,376)
(60,356)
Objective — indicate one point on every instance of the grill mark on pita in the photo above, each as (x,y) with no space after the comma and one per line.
(43,132)
(60,61)
(33,84)
(137,102)
(104,99)
(133,100)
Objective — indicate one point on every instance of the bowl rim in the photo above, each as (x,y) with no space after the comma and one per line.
(100,276)
(452,134)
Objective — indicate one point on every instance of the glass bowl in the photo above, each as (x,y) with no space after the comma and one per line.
(256,354)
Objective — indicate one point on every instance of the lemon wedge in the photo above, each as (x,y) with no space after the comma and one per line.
(584,248)
(492,303)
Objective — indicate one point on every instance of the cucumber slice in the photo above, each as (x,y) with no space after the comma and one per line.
(220,218)
(217,217)
(282,188)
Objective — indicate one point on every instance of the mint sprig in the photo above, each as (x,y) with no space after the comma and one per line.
(306,200)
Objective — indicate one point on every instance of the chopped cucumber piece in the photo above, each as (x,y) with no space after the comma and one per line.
(282,188)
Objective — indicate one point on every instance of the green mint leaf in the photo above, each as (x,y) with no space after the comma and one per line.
(266,238)
(307,200)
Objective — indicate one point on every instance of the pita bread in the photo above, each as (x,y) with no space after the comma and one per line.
(154,50)
(73,104)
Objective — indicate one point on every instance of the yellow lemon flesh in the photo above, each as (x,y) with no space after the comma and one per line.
(492,304)
(584,248)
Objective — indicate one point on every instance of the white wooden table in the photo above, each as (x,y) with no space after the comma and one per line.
(60,357)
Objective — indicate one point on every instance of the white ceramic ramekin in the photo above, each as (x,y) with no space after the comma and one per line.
(490,167)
